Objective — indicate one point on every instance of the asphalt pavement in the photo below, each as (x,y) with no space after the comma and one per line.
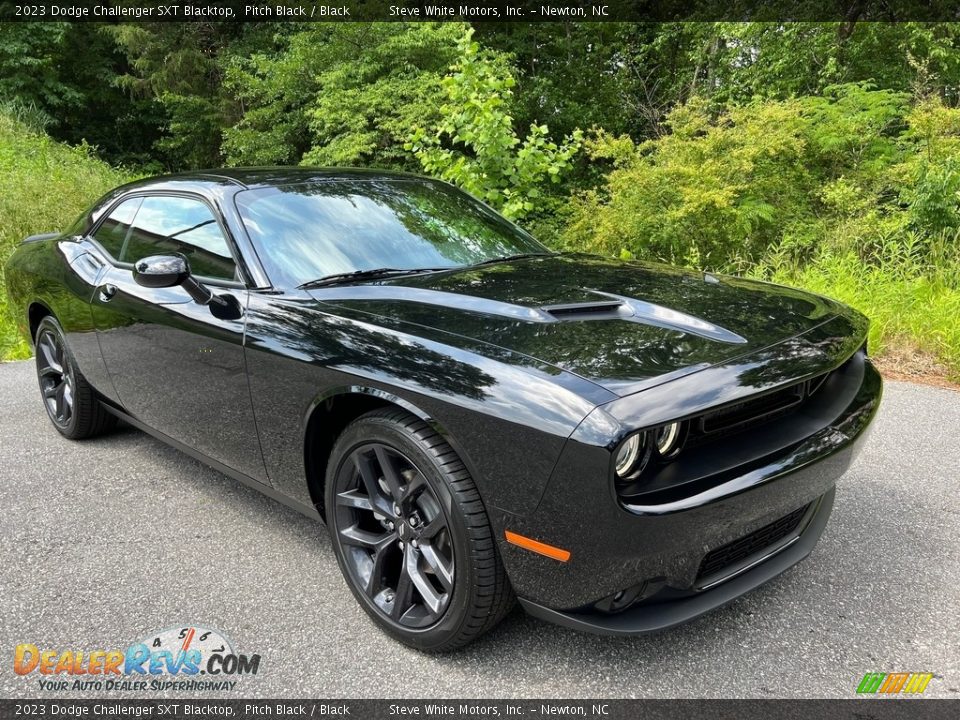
(104,542)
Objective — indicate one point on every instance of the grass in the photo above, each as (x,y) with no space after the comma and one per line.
(913,311)
(914,308)
(44,186)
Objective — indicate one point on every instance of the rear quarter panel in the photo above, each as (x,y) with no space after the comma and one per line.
(56,274)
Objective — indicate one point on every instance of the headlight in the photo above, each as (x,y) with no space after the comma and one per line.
(633,452)
(668,439)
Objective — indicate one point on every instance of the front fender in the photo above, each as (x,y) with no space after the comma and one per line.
(509,420)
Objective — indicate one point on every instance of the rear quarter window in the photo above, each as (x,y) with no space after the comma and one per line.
(113,231)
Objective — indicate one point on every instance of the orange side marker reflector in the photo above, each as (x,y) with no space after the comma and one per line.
(538,547)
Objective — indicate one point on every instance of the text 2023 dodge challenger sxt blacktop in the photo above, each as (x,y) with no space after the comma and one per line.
(620,446)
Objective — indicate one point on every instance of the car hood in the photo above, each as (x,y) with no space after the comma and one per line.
(624,325)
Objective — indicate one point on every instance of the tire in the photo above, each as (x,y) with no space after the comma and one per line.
(411,535)
(71,404)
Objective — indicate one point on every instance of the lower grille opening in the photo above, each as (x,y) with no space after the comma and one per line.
(734,553)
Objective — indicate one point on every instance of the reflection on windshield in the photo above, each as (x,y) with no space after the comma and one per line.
(307,231)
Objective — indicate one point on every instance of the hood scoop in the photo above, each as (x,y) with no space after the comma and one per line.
(585,311)
(640,311)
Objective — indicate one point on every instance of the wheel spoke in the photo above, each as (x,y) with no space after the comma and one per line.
(68,394)
(49,351)
(389,470)
(431,598)
(375,581)
(353,499)
(51,390)
(58,398)
(48,371)
(403,598)
(440,566)
(366,539)
(368,475)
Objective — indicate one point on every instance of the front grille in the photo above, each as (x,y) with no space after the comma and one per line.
(739,550)
(742,415)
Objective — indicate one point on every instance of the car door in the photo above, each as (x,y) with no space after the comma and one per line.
(174,366)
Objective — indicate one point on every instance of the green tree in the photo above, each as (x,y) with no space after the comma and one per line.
(31,55)
(474,144)
(339,93)
(179,66)
(574,73)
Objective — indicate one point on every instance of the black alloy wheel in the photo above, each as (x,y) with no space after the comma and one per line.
(56,377)
(411,535)
(395,537)
(72,405)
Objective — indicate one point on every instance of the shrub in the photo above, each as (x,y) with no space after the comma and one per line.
(46,186)
(474,144)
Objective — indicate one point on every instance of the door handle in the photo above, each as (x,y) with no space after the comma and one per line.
(107,292)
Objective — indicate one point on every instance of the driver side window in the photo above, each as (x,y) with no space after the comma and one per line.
(165,225)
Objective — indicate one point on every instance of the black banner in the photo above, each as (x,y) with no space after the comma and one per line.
(856,709)
(480,10)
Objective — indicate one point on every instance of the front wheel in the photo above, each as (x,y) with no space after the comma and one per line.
(71,403)
(411,534)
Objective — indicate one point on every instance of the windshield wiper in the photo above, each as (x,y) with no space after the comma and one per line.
(508,258)
(338,278)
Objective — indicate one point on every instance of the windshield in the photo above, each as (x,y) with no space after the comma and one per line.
(308,231)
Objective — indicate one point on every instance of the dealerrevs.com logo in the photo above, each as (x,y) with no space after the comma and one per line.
(181,658)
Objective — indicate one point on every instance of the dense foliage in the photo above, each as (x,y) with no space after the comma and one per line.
(46,185)
(820,154)
(339,94)
(855,193)
(474,144)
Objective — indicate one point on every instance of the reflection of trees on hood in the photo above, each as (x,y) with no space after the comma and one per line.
(348,346)
(799,358)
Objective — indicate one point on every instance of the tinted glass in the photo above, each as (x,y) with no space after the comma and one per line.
(113,231)
(166,225)
(307,231)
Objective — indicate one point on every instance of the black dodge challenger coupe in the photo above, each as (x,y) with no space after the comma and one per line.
(620,446)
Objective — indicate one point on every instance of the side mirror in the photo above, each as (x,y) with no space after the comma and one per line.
(164,271)
(161,271)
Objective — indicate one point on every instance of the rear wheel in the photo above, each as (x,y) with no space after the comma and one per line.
(411,535)
(71,404)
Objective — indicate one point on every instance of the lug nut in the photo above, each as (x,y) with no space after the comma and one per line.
(396,509)
(415,543)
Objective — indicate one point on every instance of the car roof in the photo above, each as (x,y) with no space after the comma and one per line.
(253,177)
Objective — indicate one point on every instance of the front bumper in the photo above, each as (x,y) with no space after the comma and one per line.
(656,555)
(654,616)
